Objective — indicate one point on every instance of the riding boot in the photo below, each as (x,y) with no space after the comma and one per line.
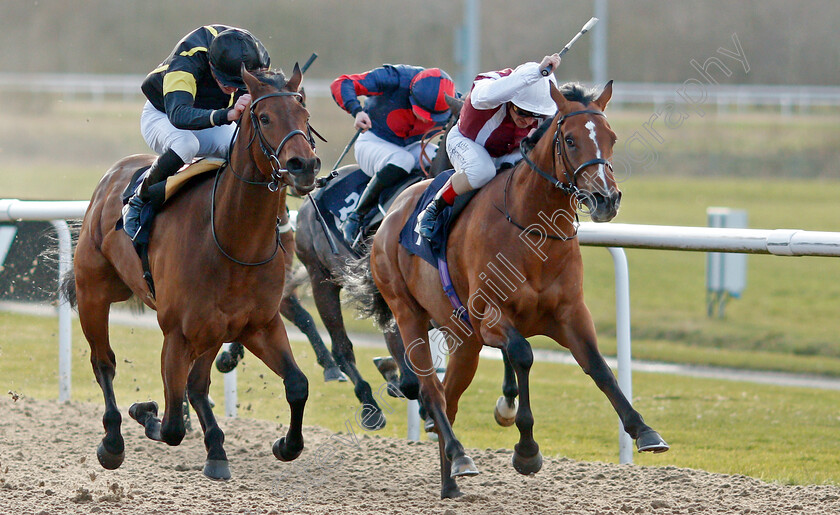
(165,165)
(384,178)
(428,218)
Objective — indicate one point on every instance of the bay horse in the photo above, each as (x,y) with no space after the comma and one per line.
(521,227)
(216,257)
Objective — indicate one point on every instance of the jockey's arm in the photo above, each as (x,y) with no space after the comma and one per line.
(489,93)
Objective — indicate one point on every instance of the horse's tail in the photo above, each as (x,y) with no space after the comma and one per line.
(67,282)
(67,287)
(362,292)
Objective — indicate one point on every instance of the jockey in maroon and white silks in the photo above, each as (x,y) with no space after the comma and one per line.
(502,108)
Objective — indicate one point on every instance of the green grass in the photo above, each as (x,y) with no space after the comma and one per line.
(773,433)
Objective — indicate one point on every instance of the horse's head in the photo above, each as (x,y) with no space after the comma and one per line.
(279,122)
(583,147)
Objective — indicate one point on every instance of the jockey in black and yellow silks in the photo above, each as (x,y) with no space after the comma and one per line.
(192,98)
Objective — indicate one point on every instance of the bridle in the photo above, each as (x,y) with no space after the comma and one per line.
(277,170)
(570,187)
(272,154)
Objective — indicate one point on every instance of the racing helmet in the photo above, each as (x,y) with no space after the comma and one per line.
(232,48)
(427,93)
(536,98)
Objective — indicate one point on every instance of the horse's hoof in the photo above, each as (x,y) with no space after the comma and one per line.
(388,368)
(108,460)
(282,453)
(525,465)
(450,493)
(505,413)
(650,441)
(463,466)
(217,470)
(141,409)
(334,374)
(373,420)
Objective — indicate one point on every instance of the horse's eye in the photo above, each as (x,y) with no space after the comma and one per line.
(264,119)
(569,141)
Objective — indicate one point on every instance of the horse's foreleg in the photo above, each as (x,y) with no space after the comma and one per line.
(326,294)
(292,310)
(93,317)
(580,339)
(507,405)
(198,386)
(271,345)
(527,458)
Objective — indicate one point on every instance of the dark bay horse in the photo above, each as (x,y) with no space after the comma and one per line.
(516,265)
(325,270)
(218,267)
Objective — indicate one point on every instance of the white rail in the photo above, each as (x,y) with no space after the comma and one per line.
(780,242)
(720,95)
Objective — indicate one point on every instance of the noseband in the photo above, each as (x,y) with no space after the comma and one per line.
(570,187)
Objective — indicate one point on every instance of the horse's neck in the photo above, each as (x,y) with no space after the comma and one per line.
(246,214)
(536,204)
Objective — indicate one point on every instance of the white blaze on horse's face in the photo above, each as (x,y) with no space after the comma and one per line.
(602,173)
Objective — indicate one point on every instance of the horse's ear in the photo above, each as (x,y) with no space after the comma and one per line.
(250,81)
(558,98)
(605,96)
(294,81)
(454,103)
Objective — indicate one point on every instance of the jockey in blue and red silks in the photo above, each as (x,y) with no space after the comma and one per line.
(502,108)
(404,102)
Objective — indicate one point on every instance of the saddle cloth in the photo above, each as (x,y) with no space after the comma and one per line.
(340,196)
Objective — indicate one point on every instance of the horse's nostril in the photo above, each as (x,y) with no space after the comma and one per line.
(295,165)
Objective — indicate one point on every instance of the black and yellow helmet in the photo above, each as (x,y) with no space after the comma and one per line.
(232,48)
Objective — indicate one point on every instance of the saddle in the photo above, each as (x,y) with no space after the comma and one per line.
(338,199)
(160,193)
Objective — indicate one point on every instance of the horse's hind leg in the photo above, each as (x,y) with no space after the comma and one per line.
(326,294)
(97,286)
(198,386)
(271,345)
(579,338)
(292,310)
(453,459)
(507,405)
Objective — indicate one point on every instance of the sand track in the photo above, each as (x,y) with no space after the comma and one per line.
(48,466)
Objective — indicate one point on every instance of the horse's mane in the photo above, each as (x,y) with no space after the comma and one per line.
(274,78)
(574,92)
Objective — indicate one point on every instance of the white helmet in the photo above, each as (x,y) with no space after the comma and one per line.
(536,98)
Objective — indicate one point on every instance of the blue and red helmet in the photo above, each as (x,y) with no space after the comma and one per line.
(428,92)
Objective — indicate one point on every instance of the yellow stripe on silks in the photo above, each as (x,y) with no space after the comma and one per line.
(179,81)
(159,69)
(212,30)
(193,50)
(230,103)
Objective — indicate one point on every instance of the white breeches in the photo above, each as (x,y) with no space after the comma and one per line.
(473,159)
(161,136)
(374,153)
